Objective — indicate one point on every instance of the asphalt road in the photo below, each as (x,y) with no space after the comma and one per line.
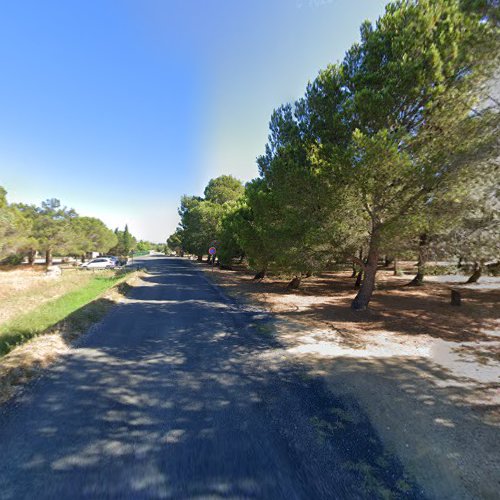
(177,394)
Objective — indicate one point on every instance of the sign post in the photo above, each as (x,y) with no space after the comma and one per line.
(212,251)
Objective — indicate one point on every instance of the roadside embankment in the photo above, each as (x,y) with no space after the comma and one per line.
(31,341)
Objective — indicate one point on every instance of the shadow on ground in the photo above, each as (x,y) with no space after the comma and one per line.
(443,424)
(179,394)
(440,418)
(395,307)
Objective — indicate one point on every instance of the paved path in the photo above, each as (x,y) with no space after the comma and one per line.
(176,395)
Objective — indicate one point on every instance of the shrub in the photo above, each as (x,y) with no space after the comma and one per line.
(13,260)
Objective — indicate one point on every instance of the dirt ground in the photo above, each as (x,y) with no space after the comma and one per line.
(427,373)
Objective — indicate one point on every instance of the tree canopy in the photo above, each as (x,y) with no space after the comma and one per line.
(201,218)
(373,157)
(223,189)
(51,228)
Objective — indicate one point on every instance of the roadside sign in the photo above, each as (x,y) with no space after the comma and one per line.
(212,250)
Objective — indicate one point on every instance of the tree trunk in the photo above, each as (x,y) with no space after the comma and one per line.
(362,299)
(83,257)
(199,258)
(388,260)
(418,280)
(31,256)
(358,280)
(354,270)
(260,275)
(48,257)
(395,266)
(478,269)
(456,298)
(294,284)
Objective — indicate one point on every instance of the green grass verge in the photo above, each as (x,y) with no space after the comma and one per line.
(77,309)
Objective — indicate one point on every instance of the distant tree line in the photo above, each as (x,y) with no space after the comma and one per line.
(392,151)
(52,229)
(148,246)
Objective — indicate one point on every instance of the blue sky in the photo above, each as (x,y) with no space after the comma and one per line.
(118,107)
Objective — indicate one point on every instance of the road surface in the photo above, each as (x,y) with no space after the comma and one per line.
(176,394)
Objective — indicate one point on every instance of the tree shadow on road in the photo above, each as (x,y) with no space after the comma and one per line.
(179,394)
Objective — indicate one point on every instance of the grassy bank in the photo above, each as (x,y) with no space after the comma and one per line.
(67,308)
(25,289)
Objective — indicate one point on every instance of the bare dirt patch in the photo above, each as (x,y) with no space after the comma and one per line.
(425,372)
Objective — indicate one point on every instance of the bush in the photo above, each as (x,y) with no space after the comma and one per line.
(13,260)
(493,269)
(440,270)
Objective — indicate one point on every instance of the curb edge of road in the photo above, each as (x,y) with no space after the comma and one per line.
(231,301)
(225,298)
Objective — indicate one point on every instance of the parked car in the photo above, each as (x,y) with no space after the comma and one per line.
(99,263)
(111,257)
(120,261)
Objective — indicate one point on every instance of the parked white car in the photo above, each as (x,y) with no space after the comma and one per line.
(116,260)
(99,263)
